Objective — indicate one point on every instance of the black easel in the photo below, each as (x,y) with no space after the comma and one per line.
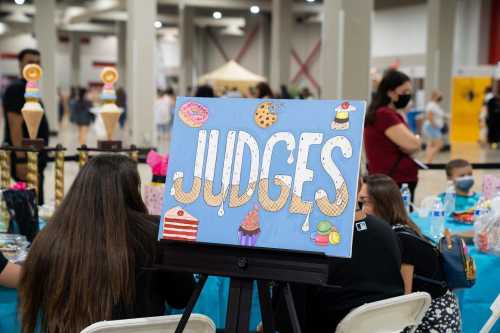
(244,265)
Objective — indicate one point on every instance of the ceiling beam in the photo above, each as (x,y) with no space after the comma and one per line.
(241,4)
(95,8)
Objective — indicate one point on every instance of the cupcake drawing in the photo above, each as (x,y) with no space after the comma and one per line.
(341,121)
(249,229)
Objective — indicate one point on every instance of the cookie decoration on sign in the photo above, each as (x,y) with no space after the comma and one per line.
(266,114)
(193,114)
(32,110)
(249,229)
(178,224)
(341,121)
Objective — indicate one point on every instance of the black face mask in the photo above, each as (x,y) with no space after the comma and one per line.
(402,101)
(439,100)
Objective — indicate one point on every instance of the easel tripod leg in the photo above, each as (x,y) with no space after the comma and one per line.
(266,309)
(239,304)
(287,291)
(192,302)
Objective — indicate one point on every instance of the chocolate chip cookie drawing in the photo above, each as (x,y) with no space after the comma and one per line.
(266,114)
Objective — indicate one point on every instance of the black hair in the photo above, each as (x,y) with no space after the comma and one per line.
(81,93)
(264,90)
(391,80)
(24,52)
(455,164)
(204,91)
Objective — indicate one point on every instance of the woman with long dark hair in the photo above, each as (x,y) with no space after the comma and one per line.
(90,263)
(389,143)
(81,115)
(421,269)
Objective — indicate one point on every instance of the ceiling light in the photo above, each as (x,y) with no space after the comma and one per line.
(19,2)
(254,9)
(158,24)
(310,0)
(217,15)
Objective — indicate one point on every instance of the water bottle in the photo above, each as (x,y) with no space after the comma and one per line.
(406,196)
(481,209)
(437,220)
(449,199)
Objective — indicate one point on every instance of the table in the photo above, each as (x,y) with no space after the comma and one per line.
(212,302)
(474,302)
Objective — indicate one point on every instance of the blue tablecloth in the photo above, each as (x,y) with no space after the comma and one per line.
(474,302)
(212,302)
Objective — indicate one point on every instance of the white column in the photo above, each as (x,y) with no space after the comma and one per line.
(75,59)
(331,49)
(201,49)
(356,49)
(440,31)
(186,35)
(121,34)
(141,55)
(45,32)
(262,41)
(281,27)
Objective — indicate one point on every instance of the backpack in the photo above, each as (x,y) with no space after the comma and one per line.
(458,266)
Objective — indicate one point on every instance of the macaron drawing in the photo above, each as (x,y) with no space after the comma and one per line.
(322,233)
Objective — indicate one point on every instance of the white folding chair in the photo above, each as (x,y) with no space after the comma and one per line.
(165,324)
(495,313)
(387,316)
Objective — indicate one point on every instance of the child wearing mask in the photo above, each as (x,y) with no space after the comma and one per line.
(459,171)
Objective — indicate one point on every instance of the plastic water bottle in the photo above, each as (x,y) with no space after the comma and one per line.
(406,196)
(449,199)
(481,209)
(437,220)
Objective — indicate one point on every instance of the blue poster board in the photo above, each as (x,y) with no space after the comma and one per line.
(267,173)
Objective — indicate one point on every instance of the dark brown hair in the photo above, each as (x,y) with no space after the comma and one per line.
(25,52)
(264,90)
(387,202)
(455,164)
(82,264)
(391,80)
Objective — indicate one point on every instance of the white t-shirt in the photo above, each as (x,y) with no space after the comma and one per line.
(437,113)
(162,110)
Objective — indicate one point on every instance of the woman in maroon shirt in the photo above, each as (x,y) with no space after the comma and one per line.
(388,140)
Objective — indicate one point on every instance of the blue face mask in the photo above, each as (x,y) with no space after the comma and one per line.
(464,183)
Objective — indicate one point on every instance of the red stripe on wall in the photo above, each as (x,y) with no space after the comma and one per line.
(103,64)
(495,32)
(8,55)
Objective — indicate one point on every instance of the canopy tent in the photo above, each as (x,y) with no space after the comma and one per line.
(231,75)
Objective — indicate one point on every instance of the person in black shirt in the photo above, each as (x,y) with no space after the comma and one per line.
(94,260)
(493,117)
(15,128)
(421,266)
(9,273)
(371,274)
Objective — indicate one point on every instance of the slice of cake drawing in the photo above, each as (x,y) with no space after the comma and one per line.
(178,224)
